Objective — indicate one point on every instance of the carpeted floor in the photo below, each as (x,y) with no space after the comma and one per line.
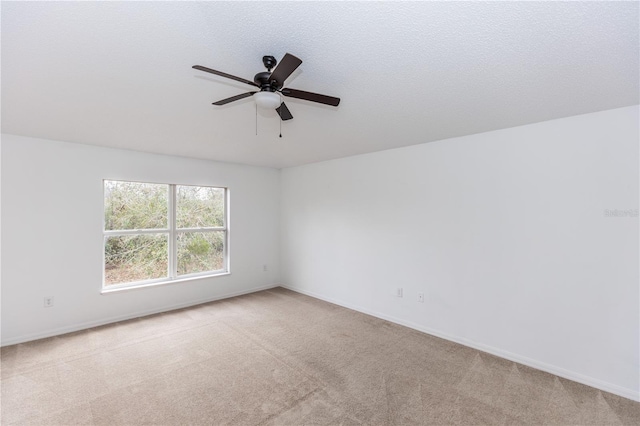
(280,358)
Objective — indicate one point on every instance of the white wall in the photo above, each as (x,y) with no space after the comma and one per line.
(52,211)
(504,232)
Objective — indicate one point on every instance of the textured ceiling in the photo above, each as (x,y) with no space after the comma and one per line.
(119,73)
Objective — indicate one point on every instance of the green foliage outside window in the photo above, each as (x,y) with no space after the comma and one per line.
(133,205)
(200,251)
(135,258)
(198,206)
(143,206)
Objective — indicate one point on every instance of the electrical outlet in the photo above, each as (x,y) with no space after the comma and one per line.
(399,292)
(264,268)
(421,297)
(48,301)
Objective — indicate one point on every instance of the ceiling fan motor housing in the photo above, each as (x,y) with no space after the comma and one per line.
(262,79)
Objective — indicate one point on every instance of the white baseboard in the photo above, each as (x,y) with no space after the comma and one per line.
(103,321)
(558,371)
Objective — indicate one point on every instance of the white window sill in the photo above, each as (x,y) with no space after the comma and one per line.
(107,290)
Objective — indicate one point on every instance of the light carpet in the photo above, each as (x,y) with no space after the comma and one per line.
(277,357)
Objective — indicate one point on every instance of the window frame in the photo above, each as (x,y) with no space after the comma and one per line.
(172,232)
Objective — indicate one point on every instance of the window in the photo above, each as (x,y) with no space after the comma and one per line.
(157,233)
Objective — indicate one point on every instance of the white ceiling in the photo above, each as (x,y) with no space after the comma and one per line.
(119,74)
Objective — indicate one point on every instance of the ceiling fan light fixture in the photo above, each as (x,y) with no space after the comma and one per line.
(267,100)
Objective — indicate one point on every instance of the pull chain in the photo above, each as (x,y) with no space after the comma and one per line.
(256,119)
(279,116)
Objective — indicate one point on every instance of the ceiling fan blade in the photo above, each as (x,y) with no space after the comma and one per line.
(234,98)
(313,97)
(284,112)
(283,70)
(224,74)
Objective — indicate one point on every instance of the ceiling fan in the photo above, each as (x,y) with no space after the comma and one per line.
(271,85)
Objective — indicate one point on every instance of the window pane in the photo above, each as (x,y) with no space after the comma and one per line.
(133,205)
(199,206)
(200,252)
(135,258)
